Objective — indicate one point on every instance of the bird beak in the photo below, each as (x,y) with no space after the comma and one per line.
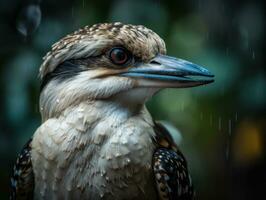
(165,71)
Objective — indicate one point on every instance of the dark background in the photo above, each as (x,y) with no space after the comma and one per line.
(221,127)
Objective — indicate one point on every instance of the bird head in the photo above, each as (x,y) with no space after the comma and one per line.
(114,62)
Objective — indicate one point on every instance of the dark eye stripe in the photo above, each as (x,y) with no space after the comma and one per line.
(62,72)
(71,68)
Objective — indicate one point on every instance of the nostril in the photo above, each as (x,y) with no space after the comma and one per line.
(155,62)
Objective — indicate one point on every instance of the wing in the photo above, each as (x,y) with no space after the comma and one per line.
(172,179)
(22,179)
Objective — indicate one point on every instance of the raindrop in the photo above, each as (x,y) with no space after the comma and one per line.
(201,116)
(210,120)
(117,154)
(72,12)
(182,106)
(253,55)
(236,116)
(28,19)
(227,152)
(199,4)
(222,91)
(223,7)
(207,35)
(230,127)
(220,124)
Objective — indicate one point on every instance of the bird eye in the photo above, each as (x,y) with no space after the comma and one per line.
(119,56)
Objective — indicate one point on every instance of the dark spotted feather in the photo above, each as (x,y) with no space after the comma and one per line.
(173,181)
(22,180)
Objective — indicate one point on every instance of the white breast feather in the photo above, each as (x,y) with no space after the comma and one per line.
(94,152)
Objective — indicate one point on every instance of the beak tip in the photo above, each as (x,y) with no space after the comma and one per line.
(203,82)
(209,81)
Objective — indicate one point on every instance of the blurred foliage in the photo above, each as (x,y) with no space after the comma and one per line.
(222,125)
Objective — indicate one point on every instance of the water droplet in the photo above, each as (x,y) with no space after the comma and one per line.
(201,116)
(29,19)
(117,154)
(124,141)
(72,12)
(199,4)
(220,124)
(227,152)
(182,105)
(253,55)
(210,120)
(236,116)
(222,91)
(230,127)
(207,35)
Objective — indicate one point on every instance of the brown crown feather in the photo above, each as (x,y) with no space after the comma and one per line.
(94,40)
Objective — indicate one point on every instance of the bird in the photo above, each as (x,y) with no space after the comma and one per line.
(97,140)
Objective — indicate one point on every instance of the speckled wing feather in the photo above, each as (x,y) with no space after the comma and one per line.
(22,179)
(173,181)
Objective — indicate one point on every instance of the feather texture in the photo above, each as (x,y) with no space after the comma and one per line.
(173,181)
(22,178)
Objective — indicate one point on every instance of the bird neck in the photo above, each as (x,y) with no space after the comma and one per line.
(134,99)
(131,102)
(93,110)
(118,110)
(103,119)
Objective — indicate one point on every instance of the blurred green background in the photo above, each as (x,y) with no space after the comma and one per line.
(222,126)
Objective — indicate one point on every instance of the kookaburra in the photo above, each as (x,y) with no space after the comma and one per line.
(97,140)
